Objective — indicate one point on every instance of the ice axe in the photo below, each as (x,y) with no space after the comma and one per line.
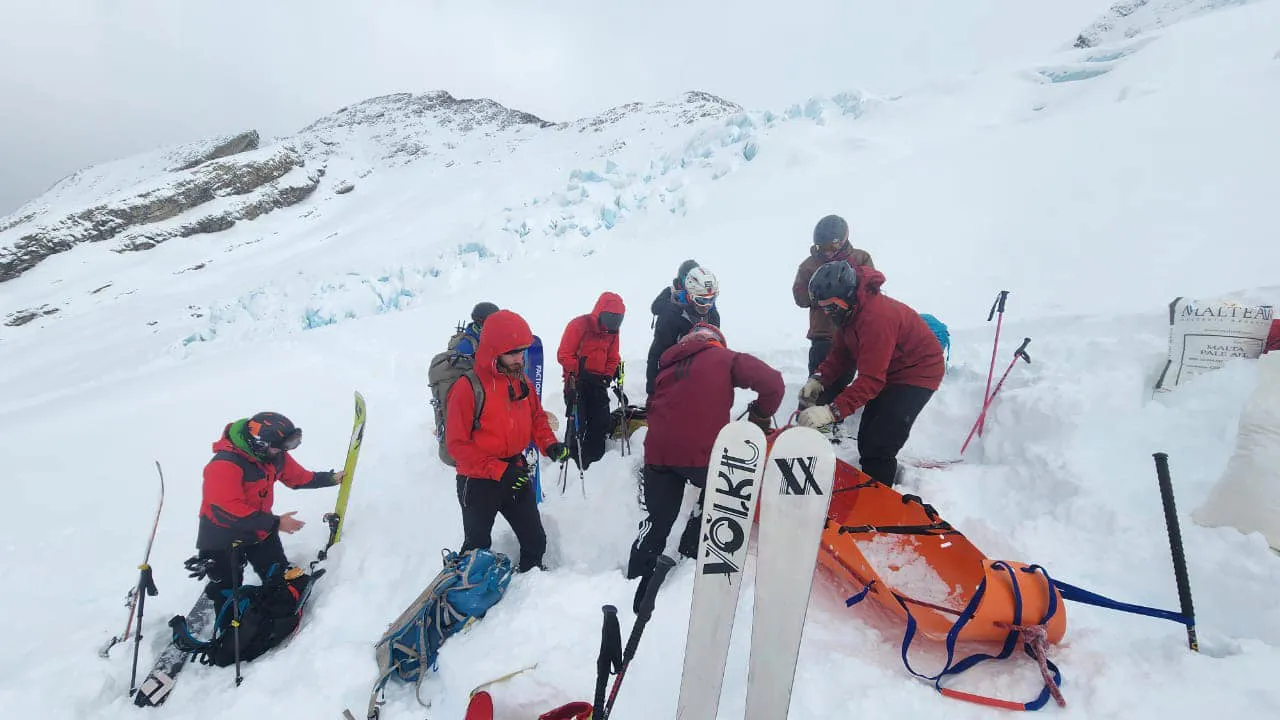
(1020,353)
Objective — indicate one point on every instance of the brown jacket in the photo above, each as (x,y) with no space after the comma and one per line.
(820,327)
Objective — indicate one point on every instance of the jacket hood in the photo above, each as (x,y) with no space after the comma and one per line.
(232,439)
(607,302)
(869,282)
(503,332)
(686,348)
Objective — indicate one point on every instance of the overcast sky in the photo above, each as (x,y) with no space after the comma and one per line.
(84,81)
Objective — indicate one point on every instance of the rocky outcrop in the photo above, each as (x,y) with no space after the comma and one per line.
(219,148)
(175,195)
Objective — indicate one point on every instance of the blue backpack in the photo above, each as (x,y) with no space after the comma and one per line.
(939,329)
(469,584)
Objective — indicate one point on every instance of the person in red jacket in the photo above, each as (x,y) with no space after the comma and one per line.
(1273,337)
(236,519)
(493,474)
(898,358)
(691,402)
(588,355)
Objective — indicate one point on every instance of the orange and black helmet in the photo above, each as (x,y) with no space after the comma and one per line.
(271,430)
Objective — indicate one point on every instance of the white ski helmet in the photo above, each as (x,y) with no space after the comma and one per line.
(701,287)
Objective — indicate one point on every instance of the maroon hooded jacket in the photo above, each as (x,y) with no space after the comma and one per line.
(887,342)
(693,396)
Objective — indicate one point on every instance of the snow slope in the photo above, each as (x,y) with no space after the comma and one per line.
(1095,185)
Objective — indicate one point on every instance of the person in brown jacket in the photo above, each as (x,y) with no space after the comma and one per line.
(830,242)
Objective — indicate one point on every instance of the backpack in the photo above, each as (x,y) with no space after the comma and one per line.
(269,613)
(940,331)
(445,368)
(469,584)
(636,417)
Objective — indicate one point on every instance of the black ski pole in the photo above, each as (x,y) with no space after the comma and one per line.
(146,586)
(643,612)
(610,658)
(1175,547)
(236,582)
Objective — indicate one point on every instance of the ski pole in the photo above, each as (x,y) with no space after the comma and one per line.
(1021,352)
(146,586)
(235,606)
(996,307)
(1175,547)
(643,613)
(610,658)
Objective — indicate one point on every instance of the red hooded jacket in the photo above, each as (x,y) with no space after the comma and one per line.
(693,396)
(512,415)
(238,492)
(583,338)
(887,342)
(1273,338)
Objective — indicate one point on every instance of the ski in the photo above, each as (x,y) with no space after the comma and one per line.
(533,370)
(155,688)
(733,482)
(143,585)
(794,498)
(339,513)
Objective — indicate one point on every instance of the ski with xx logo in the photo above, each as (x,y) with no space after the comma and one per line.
(729,504)
(794,497)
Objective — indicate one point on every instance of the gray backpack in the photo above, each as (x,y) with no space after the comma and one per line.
(445,369)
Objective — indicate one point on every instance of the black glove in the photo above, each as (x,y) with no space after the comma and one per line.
(762,421)
(516,477)
(558,452)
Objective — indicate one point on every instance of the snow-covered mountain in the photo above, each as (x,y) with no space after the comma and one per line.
(150,300)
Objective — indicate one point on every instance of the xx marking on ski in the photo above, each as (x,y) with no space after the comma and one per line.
(791,485)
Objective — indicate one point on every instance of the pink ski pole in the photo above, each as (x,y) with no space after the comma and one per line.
(996,307)
(1021,352)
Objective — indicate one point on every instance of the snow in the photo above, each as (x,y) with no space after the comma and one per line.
(1095,198)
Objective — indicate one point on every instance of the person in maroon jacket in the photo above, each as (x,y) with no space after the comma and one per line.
(236,519)
(588,355)
(898,358)
(1273,337)
(493,475)
(691,402)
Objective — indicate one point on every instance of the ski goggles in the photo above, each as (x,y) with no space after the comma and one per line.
(829,246)
(291,441)
(833,305)
(705,301)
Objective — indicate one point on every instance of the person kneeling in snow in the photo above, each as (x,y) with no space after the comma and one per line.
(235,512)
(493,475)
(898,359)
(692,398)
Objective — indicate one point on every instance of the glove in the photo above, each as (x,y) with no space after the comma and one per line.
(619,375)
(810,392)
(553,421)
(816,416)
(558,452)
(762,421)
(516,477)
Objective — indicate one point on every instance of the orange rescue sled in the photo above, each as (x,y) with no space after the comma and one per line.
(896,550)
